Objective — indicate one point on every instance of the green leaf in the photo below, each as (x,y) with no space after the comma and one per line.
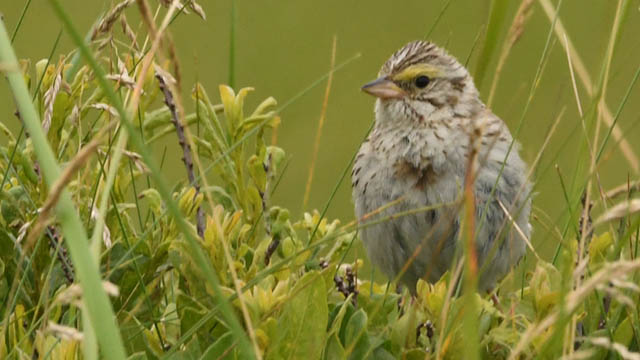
(303,321)
(413,354)
(598,248)
(624,332)
(336,324)
(403,330)
(221,346)
(356,337)
(334,349)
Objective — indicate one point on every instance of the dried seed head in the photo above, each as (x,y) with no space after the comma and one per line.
(50,99)
(522,16)
(107,22)
(197,9)
(128,32)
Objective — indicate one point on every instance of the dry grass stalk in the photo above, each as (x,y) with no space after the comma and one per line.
(157,36)
(73,294)
(190,4)
(623,189)
(515,32)
(616,270)
(535,162)
(128,32)
(137,161)
(580,355)
(112,16)
(518,229)
(56,189)
(573,77)
(106,233)
(587,82)
(50,99)
(622,350)
(447,306)
(173,56)
(620,211)
(323,114)
(547,223)
(147,18)
(122,77)
(193,5)
(106,107)
(64,332)
(469,221)
(585,223)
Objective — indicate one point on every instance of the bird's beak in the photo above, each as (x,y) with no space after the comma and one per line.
(384,88)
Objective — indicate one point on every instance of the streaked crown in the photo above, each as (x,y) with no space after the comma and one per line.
(423,53)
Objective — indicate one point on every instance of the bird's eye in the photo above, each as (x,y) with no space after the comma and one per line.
(422,81)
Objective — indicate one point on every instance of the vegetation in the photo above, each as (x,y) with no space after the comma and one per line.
(101,258)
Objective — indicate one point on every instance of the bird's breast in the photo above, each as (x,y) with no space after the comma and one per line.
(420,168)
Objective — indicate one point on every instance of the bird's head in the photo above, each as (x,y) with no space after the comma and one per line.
(421,79)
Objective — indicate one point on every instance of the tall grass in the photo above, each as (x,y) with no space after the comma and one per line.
(212,268)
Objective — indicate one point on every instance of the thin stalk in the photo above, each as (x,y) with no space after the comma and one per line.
(161,185)
(98,305)
(496,18)
(587,82)
(19,24)
(437,20)
(323,114)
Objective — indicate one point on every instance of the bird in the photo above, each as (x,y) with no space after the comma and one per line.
(409,174)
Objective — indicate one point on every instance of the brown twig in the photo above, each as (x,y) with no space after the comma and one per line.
(61,252)
(267,223)
(186,149)
(273,245)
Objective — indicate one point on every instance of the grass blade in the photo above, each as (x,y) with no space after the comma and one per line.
(496,18)
(98,305)
(161,185)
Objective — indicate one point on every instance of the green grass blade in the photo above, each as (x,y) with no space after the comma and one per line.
(437,20)
(161,185)
(98,305)
(19,24)
(496,19)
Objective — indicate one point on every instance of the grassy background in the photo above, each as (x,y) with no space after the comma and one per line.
(283,46)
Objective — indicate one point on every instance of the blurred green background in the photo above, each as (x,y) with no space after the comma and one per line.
(284,46)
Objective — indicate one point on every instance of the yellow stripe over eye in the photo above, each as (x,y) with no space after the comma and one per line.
(417,70)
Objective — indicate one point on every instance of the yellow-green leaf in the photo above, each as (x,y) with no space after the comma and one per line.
(303,321)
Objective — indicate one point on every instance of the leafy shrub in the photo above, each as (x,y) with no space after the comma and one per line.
(283,276)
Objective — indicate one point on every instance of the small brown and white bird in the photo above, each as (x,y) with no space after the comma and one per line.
(428,119)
